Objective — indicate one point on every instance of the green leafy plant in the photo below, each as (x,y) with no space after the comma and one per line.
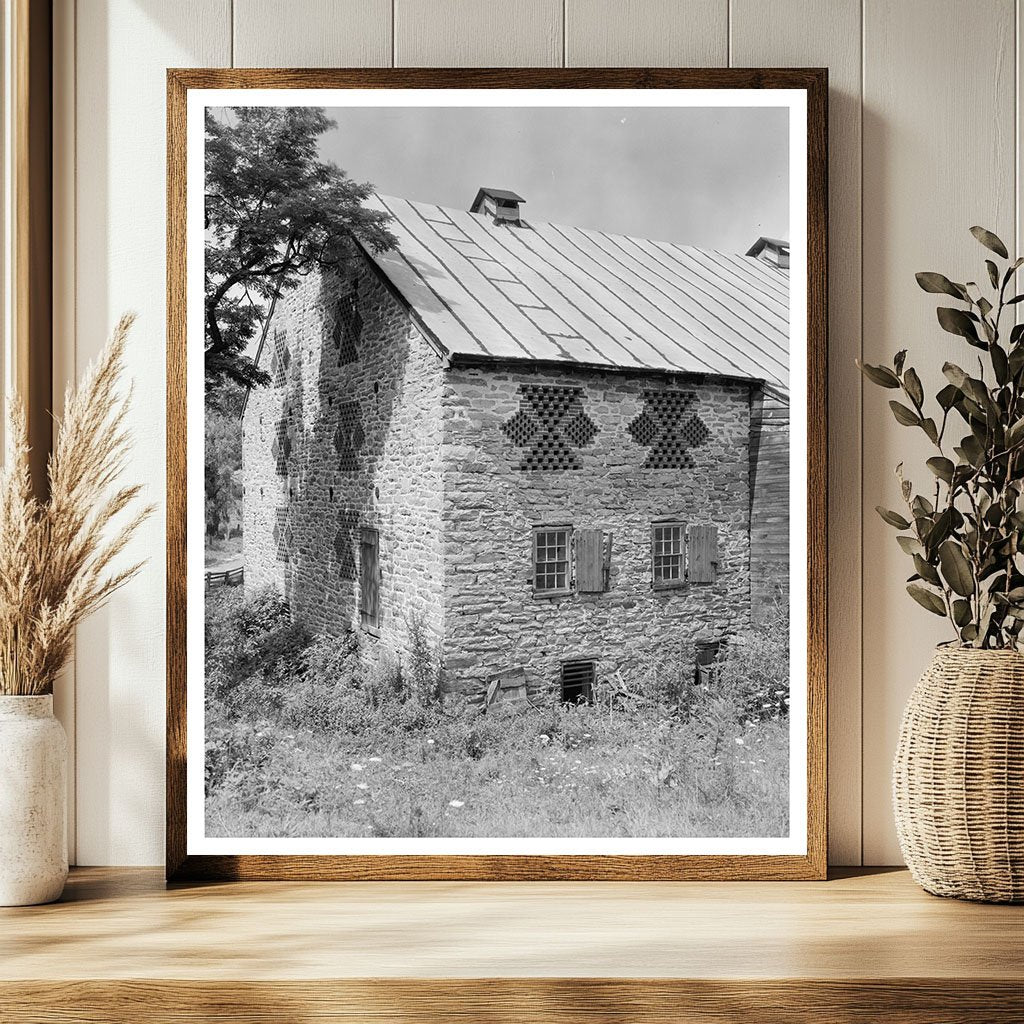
(966,534)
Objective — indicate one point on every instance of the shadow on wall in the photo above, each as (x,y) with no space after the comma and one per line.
(344,382)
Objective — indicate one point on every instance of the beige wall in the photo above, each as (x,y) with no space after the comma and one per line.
(925,143)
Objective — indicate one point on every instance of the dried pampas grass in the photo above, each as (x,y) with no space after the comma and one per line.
(56,556)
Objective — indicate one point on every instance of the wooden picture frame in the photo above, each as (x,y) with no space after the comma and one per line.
(810,864)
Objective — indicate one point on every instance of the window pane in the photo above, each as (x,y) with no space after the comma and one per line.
(551,561)
(667,552)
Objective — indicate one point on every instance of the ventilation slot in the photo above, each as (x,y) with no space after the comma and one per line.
(550,424)
(282,534)
(345,544)
(349,437)
(282,447)
(669,426)
(348,327)
(578,682)
(280,361)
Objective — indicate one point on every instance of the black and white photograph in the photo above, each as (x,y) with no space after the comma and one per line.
(497,511)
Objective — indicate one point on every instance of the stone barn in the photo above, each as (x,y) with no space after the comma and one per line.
(557,454)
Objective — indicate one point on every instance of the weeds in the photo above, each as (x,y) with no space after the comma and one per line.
(346,749)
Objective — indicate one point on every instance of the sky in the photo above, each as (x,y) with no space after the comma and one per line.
(716,178)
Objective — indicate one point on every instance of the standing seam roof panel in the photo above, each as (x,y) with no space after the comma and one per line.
(625,303)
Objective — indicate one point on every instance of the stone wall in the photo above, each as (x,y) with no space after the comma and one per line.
(349,436)
(769,503)
(619,478)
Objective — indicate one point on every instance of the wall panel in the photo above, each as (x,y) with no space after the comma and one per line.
(478,33)
(788,33)
(646,33)
(939,156)
(122,51)
(312,33)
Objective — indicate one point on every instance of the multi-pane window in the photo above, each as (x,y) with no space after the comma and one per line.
(668,542)
(551,558)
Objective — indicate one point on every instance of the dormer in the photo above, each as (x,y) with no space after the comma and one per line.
(499,204)
(773,251)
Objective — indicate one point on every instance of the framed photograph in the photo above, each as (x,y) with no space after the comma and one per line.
(496,474)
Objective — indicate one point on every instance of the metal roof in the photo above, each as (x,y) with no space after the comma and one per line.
(544,292)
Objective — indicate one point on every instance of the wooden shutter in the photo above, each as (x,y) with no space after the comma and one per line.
(590,561)
(702,554)
(369,578)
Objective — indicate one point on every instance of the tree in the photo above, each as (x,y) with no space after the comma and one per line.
(274,213)
(223,471)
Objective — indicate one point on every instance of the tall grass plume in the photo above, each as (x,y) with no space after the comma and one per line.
(57,556)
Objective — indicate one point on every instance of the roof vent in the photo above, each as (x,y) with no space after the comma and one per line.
(773,251)
(499,204)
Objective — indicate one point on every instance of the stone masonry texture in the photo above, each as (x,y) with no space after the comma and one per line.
(494,621)
(367,426)
(364,451)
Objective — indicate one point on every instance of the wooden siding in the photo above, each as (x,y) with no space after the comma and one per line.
(769,502)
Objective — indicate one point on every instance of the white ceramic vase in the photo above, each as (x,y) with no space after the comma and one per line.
(33,802)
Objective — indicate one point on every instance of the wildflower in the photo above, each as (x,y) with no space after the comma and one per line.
(362,785)
(739,740)
(359,801)
(375,760)
(456,803)
(356,767)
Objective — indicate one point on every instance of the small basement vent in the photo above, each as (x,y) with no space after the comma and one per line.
(578,682)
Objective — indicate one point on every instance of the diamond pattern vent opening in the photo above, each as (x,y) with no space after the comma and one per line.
(550,424)
(669,426)
(283,535)
(282,446)
(349,436)
(348,327)
(280,361)
(345,544)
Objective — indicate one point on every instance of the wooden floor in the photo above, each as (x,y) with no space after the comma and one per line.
(864,947)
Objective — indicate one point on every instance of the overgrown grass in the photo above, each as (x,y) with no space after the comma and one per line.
(304,740)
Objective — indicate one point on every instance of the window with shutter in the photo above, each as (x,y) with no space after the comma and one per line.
(668,558)
(702,554)
(593,548)
(369,579)
(551,560)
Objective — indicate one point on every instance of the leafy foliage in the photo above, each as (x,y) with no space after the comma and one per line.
(274,213)
(253,650)
(223,470)
(966,536)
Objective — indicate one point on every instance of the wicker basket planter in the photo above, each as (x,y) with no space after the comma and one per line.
(958,777)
